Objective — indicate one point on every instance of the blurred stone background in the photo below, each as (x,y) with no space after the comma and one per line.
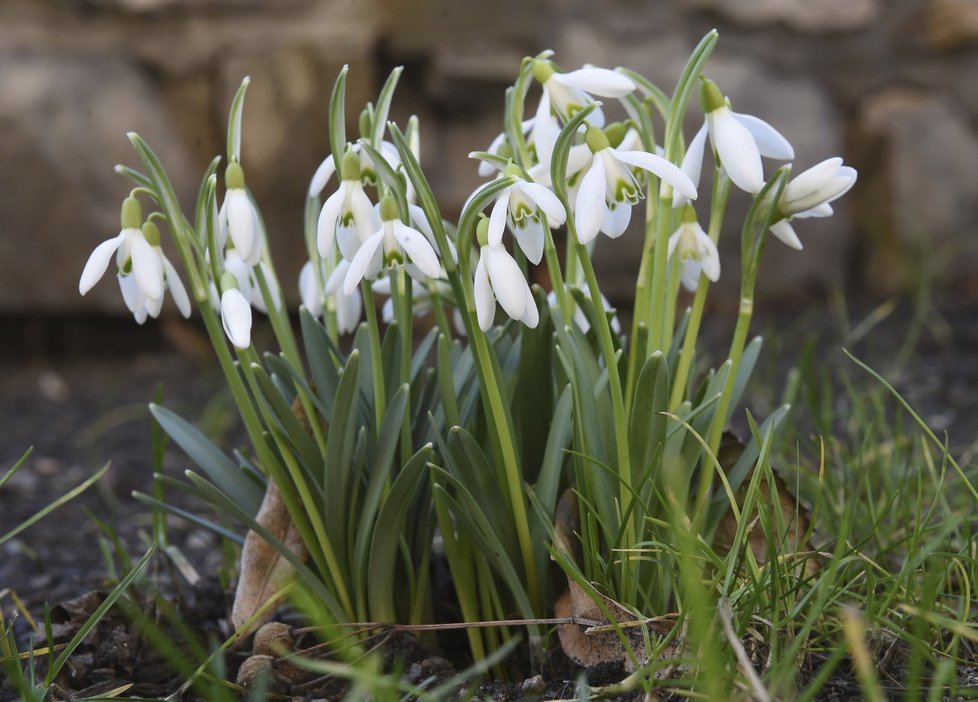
(892,85)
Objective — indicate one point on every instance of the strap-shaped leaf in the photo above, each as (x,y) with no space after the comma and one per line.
(337,116)
(647,425)
(234,122)
(321,353)
(221,469)
(299,438)
(384,106)
(381,472)
(338,467)
(390,524)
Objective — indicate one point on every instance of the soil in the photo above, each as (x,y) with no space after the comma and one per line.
(77,390)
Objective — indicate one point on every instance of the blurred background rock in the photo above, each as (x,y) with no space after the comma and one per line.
(892,85)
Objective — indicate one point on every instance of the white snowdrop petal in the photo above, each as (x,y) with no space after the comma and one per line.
(616,220)
(179,293)
(690,276)
(545,131)
(364,215)
(348,311)
(236,318)
(546,201)
(811,180)
(530,238)
(820,211)
(485,301)
(506,279)
(709,256)
(597,81)
(241,222)
(692,164)
(326,225)
(531,315)
(98,262)
(418,249)
(590,206)
(271,283)
(309,291)
(663,168)
(134,298)
(737,150)
(487,168)
(786,233)
(334,283)
(674,241)
(770,142)
(497,218)
(360,266)
(153,306)
(147,268)
(321,177)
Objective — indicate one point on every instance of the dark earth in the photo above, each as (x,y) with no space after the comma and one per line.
(77,390)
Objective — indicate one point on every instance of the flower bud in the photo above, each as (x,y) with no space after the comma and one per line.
(229,282)
(151,233)
(482,231)
(364,123)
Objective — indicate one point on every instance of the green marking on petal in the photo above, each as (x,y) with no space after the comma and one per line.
(393,258)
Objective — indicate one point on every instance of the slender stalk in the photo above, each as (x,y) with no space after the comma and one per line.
(556,278)
(401,295)
(376,362)
(642,298)
(603,326)
(721,193)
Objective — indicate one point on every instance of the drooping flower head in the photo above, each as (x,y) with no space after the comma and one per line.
(609,189)
(809,194)
(526,207)
(238,218)
(144,272)
(569,92)
(393,244)
(695,249)
(235,312)
(498,277)
(739,141)
(347,216)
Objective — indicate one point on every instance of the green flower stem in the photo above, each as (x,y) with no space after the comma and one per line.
(556,278)
(438,306)
(639,311)
(401,291)
(603,326)
(656,318)
(376,362)
(721,193)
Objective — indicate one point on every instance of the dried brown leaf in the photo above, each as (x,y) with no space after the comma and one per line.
(264,571)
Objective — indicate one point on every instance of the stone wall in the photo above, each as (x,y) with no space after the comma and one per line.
(890,84)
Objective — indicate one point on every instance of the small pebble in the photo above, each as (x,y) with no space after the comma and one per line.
(414,674)
(534,685)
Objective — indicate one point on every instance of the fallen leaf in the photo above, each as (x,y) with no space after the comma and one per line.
(264,571)
(592,638)
(795,515)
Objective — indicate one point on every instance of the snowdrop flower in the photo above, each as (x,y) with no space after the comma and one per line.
(368,173)
(248,281)
(144,271)
(500,147)
(394,244)
(608,189)
(809,194)
(580,319)
(738,140)
(347,215)
(695,249)
(238,218)
(498,276)
(567,93)
(235,312)
(527,208)
(348,308)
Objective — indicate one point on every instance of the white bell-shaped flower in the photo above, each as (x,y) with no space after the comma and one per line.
(569,92)
(695,249)
(394,244)
(809,194)
(235,312)
(498,277)
(348,308)
(526,207)
(609,189)
(348,215)
(739,141)
(238,218)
